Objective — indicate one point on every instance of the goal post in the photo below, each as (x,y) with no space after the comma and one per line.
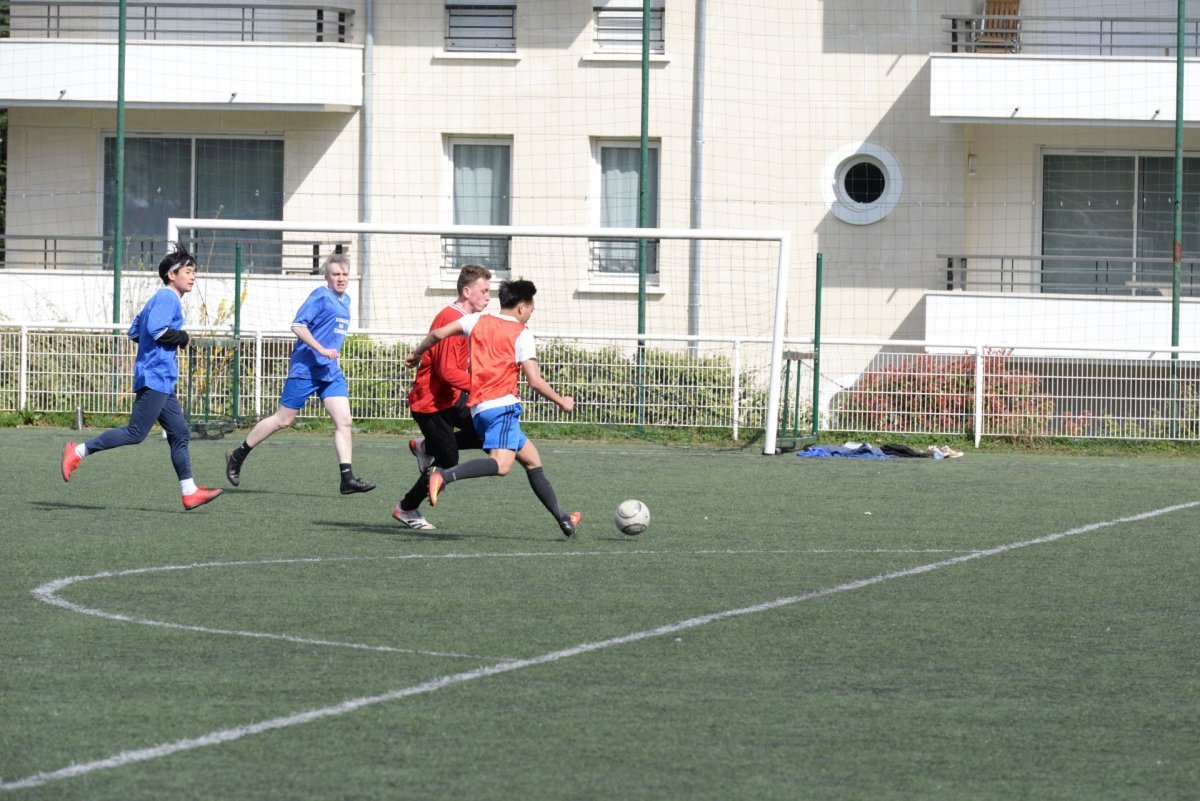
(705,289)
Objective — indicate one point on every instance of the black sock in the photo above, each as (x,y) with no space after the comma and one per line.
(419,492)
(347,471)
(545,492)
(476,468)
(241,452)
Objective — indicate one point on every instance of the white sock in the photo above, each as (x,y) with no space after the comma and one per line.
(81,450)
(188,486)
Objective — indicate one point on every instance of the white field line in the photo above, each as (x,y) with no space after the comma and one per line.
(227,735)
(48,592)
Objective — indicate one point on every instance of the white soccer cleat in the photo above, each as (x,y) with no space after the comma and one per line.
(424,460)
(413,519)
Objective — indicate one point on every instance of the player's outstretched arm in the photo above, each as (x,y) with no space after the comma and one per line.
(533,377)
(432,338)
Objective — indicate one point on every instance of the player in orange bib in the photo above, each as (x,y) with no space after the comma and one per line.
(502,348)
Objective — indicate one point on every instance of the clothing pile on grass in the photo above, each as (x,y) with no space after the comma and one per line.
(861,450)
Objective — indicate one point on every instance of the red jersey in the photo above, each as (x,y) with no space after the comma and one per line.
(443,373)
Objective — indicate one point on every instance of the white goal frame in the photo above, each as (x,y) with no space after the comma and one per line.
(779,313)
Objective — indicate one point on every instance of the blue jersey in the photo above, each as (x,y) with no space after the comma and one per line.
(327,318)
(155,366)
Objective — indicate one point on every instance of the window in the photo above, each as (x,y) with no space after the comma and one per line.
(192,177)
(619,26)
(862,183)
(480,195)
(481,26)
(620,170)
(1109,218)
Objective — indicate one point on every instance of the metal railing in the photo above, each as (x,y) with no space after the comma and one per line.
(62,367)
(260,255)
(1068,35)
(197,21)
(979,391)
(909,387)
(1127,276)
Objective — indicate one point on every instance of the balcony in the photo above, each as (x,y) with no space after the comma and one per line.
(1054,305)
(1109,275)
(1098,70)
(228,56)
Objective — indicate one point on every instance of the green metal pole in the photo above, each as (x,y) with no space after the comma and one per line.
(643,209)
(237,330)
(816,395)
(1177,250)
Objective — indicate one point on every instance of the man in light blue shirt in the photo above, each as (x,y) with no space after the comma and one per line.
(320,327)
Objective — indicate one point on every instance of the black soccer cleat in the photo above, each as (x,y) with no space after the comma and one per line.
(233,468)
(354,484)
(570,523)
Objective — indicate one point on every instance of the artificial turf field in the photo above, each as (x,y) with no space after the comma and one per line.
(1000,626)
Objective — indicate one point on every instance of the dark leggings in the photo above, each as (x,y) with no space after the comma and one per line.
(446,433)
(150,406)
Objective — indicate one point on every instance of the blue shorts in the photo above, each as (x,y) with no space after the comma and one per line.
(500,428)
(296,391)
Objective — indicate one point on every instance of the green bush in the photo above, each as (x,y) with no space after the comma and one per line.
(936,394)
(679,389)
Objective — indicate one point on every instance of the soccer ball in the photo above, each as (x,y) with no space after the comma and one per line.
(633,517)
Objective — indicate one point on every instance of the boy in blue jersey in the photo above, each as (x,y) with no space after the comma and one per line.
(158,332)
(320,327)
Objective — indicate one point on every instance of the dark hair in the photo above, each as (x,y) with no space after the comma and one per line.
(177,258)
(514,292)
(470,273)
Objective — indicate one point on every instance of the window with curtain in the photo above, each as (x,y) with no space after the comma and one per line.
(481,26)
(1109,220)
(620,170)
(480,195)
(619,26)
(193,177)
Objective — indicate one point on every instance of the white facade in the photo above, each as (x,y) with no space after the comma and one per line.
(790,92)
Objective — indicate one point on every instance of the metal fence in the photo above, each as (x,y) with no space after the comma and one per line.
(239,22)
(1112,275)
(679,382)
(905,388)
(261,255)
(982,391)
(1068,35)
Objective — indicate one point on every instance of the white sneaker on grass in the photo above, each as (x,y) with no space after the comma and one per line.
(413,519)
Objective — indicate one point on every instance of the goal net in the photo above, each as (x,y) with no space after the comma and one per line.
(697,341)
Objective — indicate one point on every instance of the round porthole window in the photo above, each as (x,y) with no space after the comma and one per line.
(862,183)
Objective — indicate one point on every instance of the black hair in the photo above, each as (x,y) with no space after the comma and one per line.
(177,258)
(514,292)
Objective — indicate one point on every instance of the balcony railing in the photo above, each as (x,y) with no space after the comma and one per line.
(198,21)
(1077,36)
(267,256)
(1113,276)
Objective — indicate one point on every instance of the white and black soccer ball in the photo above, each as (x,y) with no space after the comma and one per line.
(633,517)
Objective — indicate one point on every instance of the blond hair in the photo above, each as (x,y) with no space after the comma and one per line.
(336,258)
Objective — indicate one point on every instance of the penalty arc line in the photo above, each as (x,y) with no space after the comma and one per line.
(48,593)
(228,735)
